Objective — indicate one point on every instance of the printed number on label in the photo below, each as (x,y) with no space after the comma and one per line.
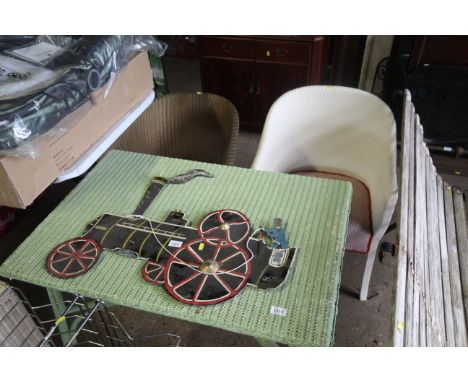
(279,311)
(175,243)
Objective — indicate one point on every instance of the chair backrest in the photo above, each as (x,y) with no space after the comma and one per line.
(195,126)
(334,129)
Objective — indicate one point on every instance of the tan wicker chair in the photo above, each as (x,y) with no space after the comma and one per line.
(196,126)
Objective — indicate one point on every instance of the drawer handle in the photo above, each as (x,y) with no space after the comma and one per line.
(226,48)
(250,91)
(281,51)
(258,90)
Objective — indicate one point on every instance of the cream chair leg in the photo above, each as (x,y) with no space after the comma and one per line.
(367,276)
(368,270)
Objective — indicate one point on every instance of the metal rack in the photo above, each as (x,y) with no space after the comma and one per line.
(84,322)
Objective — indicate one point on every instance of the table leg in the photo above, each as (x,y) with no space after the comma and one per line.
(67,329)
(58,307)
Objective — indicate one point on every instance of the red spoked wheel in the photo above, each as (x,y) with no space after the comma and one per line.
(199,274)
(224,227)
(73,257)
(153,273)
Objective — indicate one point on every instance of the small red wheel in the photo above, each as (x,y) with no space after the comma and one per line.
(199,274)
(73,257)
(153,273)
(224,227)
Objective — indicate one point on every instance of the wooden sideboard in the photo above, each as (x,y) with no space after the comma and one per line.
(253,71)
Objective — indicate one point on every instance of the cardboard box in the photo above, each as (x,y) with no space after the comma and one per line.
(22,179)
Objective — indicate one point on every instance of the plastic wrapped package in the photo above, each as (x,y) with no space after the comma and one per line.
(44,78)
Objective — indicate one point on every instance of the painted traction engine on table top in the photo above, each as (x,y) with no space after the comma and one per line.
(201,265)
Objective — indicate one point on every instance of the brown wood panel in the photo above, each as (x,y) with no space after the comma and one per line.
(233,80)
(347,60)
(272,81)
(282,51)
(277,64)
(181,46)
(294,38)
(450,50)
(226,47)
(318,59)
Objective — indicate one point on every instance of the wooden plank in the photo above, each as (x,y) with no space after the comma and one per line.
(462,241)
(425,327)
(465,196)
(399,319)
(425,314)
(454,268)
(419,314)
(435,298)
(449,325)
(424,299)
(410,336)
(432,295)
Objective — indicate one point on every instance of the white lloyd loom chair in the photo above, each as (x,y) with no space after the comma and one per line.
(339,133)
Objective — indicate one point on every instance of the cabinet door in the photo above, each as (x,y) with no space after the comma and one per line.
(233,80)
(273,80)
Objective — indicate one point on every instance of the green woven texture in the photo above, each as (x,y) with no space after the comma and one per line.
(316,212)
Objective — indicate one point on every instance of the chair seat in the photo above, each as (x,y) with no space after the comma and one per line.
(360,221)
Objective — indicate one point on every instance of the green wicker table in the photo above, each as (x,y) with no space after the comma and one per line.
(315,210)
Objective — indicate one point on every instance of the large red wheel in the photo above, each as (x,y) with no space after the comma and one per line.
(224,227)
(152,273)
(73,257)
(199,274)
